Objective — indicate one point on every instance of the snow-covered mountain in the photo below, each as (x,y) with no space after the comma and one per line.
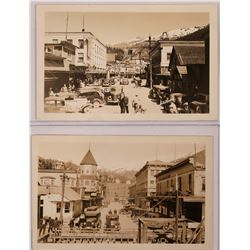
(172,35)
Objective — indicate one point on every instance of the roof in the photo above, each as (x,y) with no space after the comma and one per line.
(45,170)
(69,193)
(178,162)
(200,158)
(190,54)
(152,163)
(156,162)
(88,159)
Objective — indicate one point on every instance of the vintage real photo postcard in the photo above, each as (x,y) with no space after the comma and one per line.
(127,62)
(123,190)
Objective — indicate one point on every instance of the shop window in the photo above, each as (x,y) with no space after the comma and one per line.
(172,183)
(66,207)
(58,207)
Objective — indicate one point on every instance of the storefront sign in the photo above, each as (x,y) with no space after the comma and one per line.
(182,70)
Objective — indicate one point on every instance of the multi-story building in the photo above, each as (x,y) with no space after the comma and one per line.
(187,175)
(50,183)
(161,54)
(90,51)
(132,193)
(116,192)
(146,181)
(88,180)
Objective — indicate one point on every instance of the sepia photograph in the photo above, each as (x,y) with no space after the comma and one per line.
(127,62)
(123,190)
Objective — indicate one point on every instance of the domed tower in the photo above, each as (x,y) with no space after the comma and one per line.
(88,175)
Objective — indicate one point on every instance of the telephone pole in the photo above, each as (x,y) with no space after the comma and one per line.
(150,62)
(64,177)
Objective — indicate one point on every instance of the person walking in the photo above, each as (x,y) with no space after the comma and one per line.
(44,223)
(124,103)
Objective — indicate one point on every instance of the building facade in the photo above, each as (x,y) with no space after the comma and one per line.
(161,55)
(146,181)
(50,182)
(116,192)
(88,181)
(90,51)
(187,175)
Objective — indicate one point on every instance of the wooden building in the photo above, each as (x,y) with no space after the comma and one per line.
(187,176)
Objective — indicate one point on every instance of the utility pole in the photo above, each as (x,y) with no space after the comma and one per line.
(64,177)
(83,30)
(177,211)
(67,22)
(150,63)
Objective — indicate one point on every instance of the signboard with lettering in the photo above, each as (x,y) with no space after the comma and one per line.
(182,70)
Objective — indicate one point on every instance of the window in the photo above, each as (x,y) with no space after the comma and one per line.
(80,60)
(87,171)
(203,184)
(48,50)
(80,43)
(66,207)
(179,183)
(168,56)
(172,183)
(58,207)
(190,182)
(55,40)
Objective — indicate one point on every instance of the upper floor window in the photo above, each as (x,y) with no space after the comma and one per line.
(203,184)
(55,40)
(80,43)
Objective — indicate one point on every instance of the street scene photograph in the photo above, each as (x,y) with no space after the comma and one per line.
(126,64)
(121,189)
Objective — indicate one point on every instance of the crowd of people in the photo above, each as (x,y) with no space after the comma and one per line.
(48,224)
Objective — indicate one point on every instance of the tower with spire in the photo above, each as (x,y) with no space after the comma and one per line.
(88,180)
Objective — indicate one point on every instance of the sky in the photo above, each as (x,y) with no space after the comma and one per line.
(111,152)
(111,28)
